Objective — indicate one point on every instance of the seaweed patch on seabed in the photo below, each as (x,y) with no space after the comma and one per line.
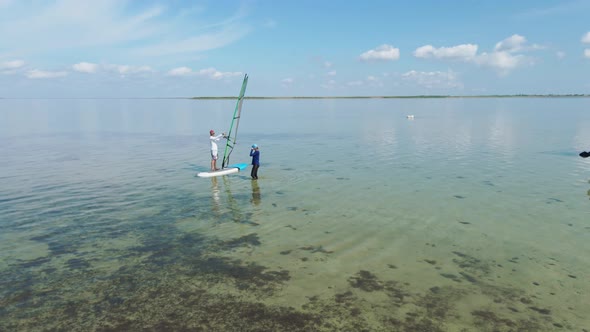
(437,308)
(246,240)
(179,284)
(179,281)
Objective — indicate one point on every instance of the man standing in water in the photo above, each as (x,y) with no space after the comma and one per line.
(214,139)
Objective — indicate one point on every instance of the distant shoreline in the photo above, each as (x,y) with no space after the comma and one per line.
(332,97)
(409,97)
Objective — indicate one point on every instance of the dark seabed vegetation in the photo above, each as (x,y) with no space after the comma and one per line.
(173,281)
(362,220)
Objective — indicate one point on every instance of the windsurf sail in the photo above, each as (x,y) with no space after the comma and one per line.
(232,134)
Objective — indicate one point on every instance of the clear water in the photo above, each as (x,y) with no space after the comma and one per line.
(473,216)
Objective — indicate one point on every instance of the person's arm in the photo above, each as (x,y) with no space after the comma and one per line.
(218,137)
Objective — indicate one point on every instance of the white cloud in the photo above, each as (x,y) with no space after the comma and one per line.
(9,65)
(587,53)
(435,79)
(128,70)
(503,61)
(460,52)
(180,71)
(86,67)
(217,75)
(586,38)
(332,73)
(72,24)
(381,53)
(195,44)
(515,43)
(123,29)
(504,57)
(328,64)
(91,68)
(560,54)
(211,73)
(39,74)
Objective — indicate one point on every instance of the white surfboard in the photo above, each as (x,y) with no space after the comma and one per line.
(228,170)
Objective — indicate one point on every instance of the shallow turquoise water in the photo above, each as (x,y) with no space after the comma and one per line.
(474,215)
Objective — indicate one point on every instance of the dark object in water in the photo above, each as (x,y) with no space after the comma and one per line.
(585,154)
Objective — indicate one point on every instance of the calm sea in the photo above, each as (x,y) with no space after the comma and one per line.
(472,216)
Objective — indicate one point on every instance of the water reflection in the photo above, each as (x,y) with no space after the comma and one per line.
(233,204)
(229,206)
(216,200)
(255,193)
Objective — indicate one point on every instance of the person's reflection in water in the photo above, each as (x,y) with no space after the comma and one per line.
(255,193)
(215,195)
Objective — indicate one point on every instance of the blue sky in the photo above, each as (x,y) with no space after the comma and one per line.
(119,48)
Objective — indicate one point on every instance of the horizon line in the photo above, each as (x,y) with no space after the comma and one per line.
(570,95)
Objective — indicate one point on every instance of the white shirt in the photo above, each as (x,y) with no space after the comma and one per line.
(214,140)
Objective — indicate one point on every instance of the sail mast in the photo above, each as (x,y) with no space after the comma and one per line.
(231,136)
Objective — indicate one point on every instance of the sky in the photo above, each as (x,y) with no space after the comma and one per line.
(149,48)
